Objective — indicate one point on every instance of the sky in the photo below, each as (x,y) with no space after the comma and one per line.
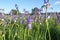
(7,5)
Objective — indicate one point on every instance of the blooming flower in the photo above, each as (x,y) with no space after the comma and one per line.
(29,25)
(29,19)
(46,2)
(16,7)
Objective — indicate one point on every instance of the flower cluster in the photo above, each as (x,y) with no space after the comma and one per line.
(29,20)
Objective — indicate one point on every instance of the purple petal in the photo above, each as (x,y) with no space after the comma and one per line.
(29,19)
(29,26)
(46,1)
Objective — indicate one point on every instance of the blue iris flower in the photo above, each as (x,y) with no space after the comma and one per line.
(30,26)
(46,1)
(29,19)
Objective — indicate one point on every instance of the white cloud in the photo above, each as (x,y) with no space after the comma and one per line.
(57,2)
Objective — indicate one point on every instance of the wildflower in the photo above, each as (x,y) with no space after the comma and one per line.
(30,26)
(16,7)
(29,20)
(46,2)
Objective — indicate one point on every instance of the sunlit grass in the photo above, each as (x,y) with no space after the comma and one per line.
(39,31)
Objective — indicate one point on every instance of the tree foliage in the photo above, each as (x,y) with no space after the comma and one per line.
(15,12)
(35,10)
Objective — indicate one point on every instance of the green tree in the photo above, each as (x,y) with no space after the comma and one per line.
(15,12)
(35,10)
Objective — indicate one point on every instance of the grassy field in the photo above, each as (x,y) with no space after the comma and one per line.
(17,29)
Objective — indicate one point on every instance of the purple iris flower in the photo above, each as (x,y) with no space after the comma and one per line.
(16,7)
(46,1)
(29,19)
(30,26)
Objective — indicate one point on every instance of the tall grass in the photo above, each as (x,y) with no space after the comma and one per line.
(39,31)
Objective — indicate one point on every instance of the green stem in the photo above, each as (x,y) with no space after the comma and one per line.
(47,24)
(25,35)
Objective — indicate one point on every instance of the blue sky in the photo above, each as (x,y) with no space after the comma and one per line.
(7,5)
